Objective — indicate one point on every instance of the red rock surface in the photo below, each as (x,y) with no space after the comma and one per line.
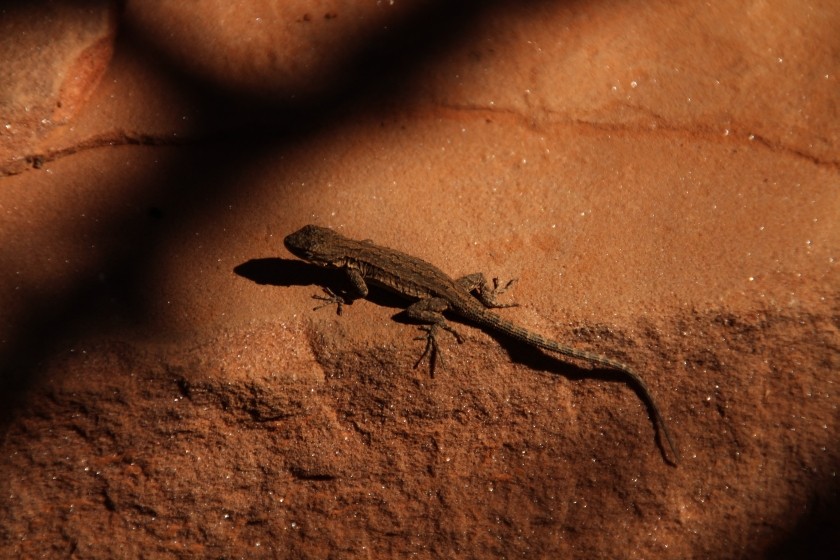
(663,178)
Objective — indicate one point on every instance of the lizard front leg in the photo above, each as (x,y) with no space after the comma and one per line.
(359,290)
(430,311)
(477,285)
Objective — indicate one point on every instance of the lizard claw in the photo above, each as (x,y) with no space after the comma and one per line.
(330,299)
(499,289)
(432,349)
(496,283)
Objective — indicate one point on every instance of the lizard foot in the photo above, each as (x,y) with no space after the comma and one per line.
(432,349)
(477,285)
(330,299)
(498,290)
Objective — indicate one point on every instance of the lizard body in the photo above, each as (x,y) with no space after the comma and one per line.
(436,292)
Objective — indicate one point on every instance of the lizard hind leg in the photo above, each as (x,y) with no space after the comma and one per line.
(477,285)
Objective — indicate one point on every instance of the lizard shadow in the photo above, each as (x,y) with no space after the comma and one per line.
(284,272)
(293,272)
(540,360)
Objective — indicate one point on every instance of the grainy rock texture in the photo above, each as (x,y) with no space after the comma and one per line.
(663,179)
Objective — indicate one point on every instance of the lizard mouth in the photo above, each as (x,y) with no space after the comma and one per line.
(296,250)
(302,242)
(308,256)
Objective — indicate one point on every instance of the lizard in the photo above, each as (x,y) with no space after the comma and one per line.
(435,292)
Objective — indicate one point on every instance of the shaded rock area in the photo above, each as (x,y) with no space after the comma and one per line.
(663,179)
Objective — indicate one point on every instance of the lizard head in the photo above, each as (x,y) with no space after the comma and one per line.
(315,244)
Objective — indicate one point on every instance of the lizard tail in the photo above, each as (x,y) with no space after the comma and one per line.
(551,346)
(629,372)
